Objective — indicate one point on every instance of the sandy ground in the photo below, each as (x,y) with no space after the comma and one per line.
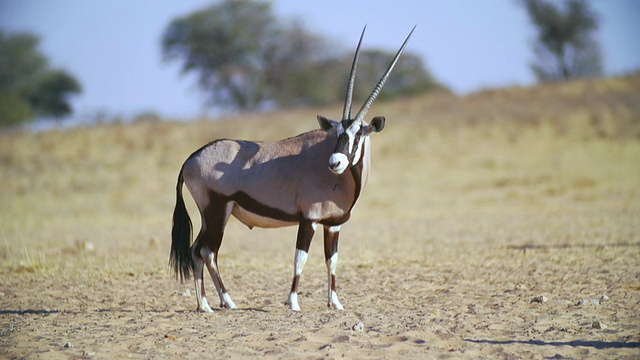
(466,293)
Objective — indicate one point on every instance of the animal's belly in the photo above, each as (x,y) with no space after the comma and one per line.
(254,220)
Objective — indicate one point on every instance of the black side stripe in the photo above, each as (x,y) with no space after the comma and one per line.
(252,205)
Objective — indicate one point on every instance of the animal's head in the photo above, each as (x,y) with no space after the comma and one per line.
(352,132)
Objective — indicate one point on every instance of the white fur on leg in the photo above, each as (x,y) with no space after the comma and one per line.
(300,261)
(333,301)
(226,302)
(293,302)
(201,297)
(204,306)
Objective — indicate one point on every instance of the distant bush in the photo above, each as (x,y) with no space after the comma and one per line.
(13,109)
(29,88)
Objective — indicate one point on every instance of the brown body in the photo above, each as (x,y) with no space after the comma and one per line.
(274,184)
(245,172)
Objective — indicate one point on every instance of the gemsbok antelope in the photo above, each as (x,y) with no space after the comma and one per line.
(275,184)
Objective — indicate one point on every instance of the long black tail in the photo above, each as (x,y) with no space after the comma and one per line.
(180,257)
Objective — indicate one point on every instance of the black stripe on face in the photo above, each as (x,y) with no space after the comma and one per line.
(342,146)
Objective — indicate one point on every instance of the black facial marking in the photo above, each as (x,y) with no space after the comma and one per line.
(342,146)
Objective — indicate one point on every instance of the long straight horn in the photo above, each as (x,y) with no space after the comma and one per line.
(346,113)
(383,79)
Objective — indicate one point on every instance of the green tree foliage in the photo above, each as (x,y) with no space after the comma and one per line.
(565,47)
(295,58)
(246,59)
(28,87)
(224,43)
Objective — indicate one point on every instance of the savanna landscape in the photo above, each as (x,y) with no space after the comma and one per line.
(502,224)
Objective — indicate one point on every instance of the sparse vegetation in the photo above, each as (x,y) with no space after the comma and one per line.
(483,201)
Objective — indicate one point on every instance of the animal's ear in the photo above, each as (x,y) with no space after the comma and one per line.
(377,124)
(326,124)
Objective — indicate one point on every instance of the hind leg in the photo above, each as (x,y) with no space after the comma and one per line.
(215,220)
(198,272)
(205,252)
(211,260)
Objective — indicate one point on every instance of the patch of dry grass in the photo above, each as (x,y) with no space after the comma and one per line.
(517,185)
(552,149)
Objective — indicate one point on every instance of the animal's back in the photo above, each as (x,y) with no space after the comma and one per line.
(266,172)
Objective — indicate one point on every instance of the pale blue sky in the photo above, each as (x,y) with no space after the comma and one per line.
(113,47)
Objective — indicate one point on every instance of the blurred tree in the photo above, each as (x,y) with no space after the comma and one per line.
(295,65)
(410,76)
(28,87)
(247,60)
(324,82)
(565,48)
(225,44)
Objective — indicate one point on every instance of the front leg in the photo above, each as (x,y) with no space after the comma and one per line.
(306,230)
(331,235)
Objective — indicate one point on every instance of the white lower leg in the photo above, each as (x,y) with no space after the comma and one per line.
(203,304)
(300,261)
(201,297)
(225,298)
(292,301)
(333,301)
(226,302)
(332,297)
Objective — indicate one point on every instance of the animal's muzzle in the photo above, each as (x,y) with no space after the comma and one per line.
(338,163)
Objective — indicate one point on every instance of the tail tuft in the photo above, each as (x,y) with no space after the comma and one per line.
(180,258)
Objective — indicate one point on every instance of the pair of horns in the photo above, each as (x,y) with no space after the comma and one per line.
(346,114)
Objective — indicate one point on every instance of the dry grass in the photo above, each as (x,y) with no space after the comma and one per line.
(521,186)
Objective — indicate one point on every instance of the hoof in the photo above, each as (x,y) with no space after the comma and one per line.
(227,303)
(334,302)
(204,309)
(204,306)
(292,301)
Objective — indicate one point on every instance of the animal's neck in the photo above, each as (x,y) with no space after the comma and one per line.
(360,171)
